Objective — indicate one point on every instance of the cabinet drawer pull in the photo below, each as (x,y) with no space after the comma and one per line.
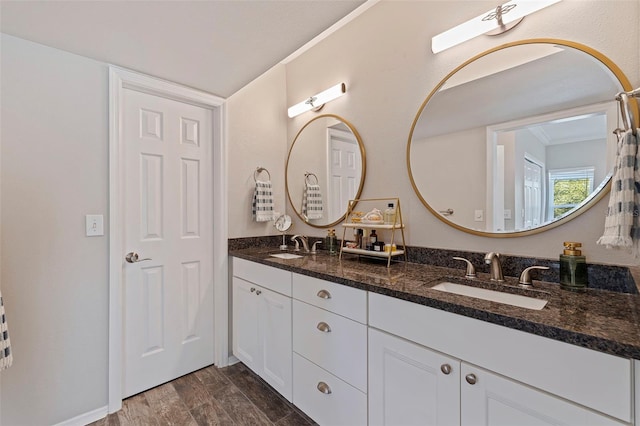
(324,294)
(259,292)
(471,379)
(445,368)
(253,289)
(324,388)
(324,327)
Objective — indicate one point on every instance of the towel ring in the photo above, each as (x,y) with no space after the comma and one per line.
(258,171)
(307,175)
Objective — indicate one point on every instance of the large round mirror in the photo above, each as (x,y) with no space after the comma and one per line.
(325,169)
(518,139)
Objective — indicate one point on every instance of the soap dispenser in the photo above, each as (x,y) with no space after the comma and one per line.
(573,267)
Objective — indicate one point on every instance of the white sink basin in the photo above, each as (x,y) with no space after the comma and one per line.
(286,255)
(492,295)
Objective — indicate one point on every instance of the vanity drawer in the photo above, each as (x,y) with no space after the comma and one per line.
(341,351)
(272,278)
(339,404)
(591,378)
(346,301)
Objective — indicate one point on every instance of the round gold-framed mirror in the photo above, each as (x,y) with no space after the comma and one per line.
(325,168)
(518,139)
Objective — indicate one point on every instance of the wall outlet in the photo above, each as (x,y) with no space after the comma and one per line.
(94,225)
(507,213)
(478,215)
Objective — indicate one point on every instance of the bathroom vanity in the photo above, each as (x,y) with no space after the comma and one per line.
(367,344)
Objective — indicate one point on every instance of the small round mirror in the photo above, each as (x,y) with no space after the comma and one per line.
(283,223)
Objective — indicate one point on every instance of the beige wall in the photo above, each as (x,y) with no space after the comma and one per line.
(384,58)
(256,133)
(54,279)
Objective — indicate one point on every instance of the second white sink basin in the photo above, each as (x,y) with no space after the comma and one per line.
(286,255)
(492,295)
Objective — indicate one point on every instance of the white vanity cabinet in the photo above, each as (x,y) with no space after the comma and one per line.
(330,351)
(410,384)
(506,377)
(489,399)
(262,322)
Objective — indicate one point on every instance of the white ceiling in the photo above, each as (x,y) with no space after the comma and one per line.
(213,45)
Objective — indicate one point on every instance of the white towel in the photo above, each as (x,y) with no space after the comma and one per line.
(262,202)
(621,226)
(6,358)
(312,201)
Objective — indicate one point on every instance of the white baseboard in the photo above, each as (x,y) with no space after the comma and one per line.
(86,418)
(232,360)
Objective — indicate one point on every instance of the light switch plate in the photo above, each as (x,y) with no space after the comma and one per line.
(507,213)
(95,225)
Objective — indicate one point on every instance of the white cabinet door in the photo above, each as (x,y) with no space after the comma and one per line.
(262,333)
(410,384)
(490,399)
(245,323)
(274,321)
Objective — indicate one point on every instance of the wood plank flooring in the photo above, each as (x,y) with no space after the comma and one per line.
(212,396)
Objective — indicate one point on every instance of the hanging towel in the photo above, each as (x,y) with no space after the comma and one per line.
(621,226)
(312,201)
(262,202)
(6,358)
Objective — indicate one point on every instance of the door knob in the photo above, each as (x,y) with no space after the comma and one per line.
(132,257)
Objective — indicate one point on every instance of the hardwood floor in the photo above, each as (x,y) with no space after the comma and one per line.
(212,396)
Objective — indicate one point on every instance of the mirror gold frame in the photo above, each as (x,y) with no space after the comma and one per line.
(626,86)
(362,173)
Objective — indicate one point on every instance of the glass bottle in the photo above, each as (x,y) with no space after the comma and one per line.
(390,214)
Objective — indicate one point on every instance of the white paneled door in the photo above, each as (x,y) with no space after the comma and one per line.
(168,201)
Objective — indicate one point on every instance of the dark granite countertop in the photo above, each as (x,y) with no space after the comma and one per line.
(602,320)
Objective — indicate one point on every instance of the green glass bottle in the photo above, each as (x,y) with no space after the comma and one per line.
(573,267)
(331,242)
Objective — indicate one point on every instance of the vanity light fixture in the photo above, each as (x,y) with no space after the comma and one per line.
(316,102)
(494,22)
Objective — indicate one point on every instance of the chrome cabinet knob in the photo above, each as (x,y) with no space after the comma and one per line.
(258,292)
(471,379)
(324,327)
(445,368)
(324,294)
(132,257)
(253,289)
(324,388)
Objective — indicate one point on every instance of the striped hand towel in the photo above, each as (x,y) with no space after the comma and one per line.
(6,358)
(621,226)
(262,202)
(312,202)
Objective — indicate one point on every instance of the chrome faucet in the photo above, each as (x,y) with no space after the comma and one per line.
(305,242)
(493,259)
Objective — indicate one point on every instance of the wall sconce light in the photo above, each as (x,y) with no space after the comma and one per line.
(316,102)
(494,22)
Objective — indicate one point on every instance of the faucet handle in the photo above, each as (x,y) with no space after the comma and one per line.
(313,246)
(471,270)
(525,277)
